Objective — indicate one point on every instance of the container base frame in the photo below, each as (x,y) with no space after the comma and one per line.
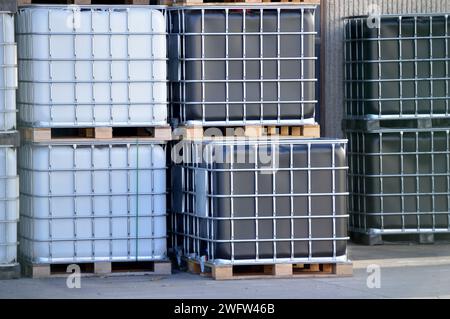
(269,271)
(199,132)
(151,133)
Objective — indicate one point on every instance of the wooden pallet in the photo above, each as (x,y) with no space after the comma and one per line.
(84,2)
(99,269)
(235,272)
(9,272)
(381,239)
(199,132)
(203,2)
(158,133)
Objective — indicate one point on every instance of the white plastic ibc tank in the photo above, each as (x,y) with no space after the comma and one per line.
(92,66)
(92,202)
(9,205)
(8,72)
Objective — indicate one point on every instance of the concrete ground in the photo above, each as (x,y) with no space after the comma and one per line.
(405,271)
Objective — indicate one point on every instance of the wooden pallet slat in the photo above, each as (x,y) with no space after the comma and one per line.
(284,131)
(198,132)
(36,134)
(234,272)
(271,130)
(311,131)
(253,131)
(162,133)
(282,270)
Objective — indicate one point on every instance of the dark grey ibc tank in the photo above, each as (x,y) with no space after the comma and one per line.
(397,68)
(242,64)
(399,178)
(282,200)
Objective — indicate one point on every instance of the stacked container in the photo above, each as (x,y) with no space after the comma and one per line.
(98,197)
(261,201)
(242,65)
(9,140)
(397,88)
(264,200)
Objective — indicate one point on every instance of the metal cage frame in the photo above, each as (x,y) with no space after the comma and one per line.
(430,67)
(7,110)
(190,236)
(7,179)
(180,63)
(27,176)
(408,178)
(27,105)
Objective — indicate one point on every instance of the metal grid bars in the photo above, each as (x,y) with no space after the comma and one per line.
(8,73)
(9,206)
(269,202)
(92,202)
(92,66)
(238,65)
(399,181)
(397,70)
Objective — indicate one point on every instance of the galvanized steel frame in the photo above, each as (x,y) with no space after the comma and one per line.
(76,194)
(6,110)
(75,59)
(207,165)
(352,97)
(5,200)
(182,61)
(359,214)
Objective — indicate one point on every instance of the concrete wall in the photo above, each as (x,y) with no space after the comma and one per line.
(333,11)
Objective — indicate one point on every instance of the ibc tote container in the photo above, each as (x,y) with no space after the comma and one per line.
(242,64)
(399,69)
(261,201)
(90,202)
(8,72)
(9,205)
(399,178)
(92,66)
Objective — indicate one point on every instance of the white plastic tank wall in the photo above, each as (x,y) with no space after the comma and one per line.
(92,66)
(8,72)
(9,205)
(78,202)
